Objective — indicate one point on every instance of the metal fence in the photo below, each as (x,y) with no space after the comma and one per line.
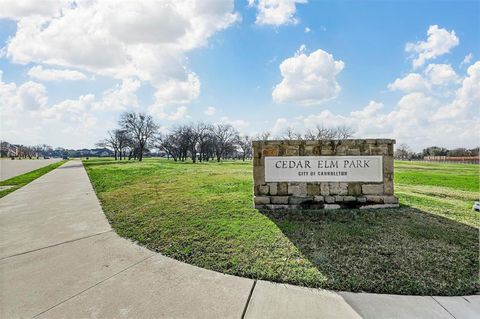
(453,159)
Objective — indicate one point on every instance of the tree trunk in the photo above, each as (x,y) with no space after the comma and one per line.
(140,152)
(194,156)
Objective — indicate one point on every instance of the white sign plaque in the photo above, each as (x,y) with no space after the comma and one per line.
(324,169)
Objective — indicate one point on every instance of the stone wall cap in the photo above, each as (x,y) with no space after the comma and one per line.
(315,142)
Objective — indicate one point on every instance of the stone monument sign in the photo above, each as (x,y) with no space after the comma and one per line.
(298,174)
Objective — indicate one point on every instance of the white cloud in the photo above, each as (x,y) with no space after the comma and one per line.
(275,12)
(441,74)
(467,98)
(41,74)
(175,92)
(442,115)
(147,40)
(410,83)
(412,108)
(70,110)
(18,9)
(307,29)
(75,120)
(14,99)
(121,97)
(470,89)
(467,59)
(409,122)
(178,114)
(32,95)
(168,113)
(210,111)
(280,125)
(439,42)
(368,111)
(308,79)
(238,124)
(178,92)
(134,42)
(434,74)
(27,118)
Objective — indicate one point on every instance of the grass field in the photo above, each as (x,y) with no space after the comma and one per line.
(22,180)
(446,190)
(202,214)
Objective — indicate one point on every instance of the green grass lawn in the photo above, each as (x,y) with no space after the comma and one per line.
(22,180)
(446,190)
(202,214)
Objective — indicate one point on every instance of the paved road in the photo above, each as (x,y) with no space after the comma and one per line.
(59,258)
(9,168)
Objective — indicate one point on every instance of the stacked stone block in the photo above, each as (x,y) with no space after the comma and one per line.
(323,195)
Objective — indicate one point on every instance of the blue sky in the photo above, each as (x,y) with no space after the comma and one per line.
(344,63)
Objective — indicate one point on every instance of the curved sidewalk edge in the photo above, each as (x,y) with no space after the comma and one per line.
(59,258)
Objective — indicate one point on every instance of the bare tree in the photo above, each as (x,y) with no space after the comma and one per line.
(325,133)
(141,127)
(263,136)
(290,134)
(310,135)
(328,133)
(177,143)
(344,132)
(403,152)
(38,150)
(192,138)
(182,141)
(204,139)
(183,135)
(124,142)
(170,143)
(110,142)
(245,144)
(225,136)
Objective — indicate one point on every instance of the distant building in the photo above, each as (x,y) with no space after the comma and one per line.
(9,150)
(95,152)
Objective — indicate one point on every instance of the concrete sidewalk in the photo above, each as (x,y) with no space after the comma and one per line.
(59,258)
(11,168)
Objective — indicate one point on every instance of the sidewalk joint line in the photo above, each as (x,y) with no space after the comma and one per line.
(443,307)
(93,286)
(248,299)
(54,245)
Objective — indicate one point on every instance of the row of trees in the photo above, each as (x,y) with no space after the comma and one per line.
(203,142)
(138,133)
(319,133)
(17,151)
(24,151)
(404,152)
(456,152)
